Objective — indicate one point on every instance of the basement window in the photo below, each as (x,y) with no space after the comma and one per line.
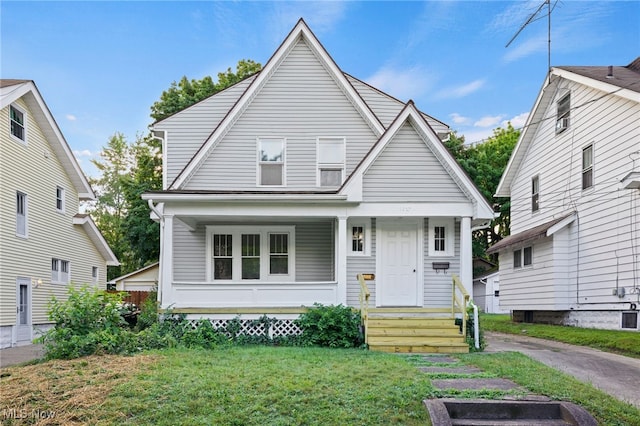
(630,320)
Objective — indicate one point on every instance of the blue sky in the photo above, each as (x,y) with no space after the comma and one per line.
(100,65)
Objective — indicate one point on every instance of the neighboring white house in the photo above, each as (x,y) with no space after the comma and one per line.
(573,256)
(279,190)
(144,279)
(45,245)
(486,293)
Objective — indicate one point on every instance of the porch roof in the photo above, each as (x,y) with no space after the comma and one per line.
(232,195)
(531,234)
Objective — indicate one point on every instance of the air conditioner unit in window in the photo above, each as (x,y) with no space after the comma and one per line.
(562,124)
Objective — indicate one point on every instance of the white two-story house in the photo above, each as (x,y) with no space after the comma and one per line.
(45,244)
(281,189)
(573,256)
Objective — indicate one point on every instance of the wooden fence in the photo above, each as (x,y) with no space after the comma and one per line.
(135,297)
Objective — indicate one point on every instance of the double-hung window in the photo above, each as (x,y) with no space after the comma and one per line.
(330,155)
(441,237)
(60,199)
(271,161)
(245,253)
(563,116)
(522,257)
(17,123)
(21,214)
(535,193)
(60,271)
(587,167)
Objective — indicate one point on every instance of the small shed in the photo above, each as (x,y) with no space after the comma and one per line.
(144,279)
(486,293)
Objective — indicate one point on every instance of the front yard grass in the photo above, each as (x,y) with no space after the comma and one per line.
(257,385)
(621,342)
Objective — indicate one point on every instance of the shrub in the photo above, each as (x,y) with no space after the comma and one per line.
(88,322)
(148,311)
(332,326)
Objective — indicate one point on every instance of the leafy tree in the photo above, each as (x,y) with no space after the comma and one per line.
(187,92)
(485,163)
(110,209)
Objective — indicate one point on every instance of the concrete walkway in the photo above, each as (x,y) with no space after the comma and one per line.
(20,354)
(617,375)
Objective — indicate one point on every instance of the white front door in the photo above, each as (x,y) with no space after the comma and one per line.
(398,282)
(23,311)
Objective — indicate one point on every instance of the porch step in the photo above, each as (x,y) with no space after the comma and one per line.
(415,334)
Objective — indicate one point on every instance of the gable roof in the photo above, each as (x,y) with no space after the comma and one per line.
(411,114)
(10,91)
(301,30)
(96,238)
(625,83)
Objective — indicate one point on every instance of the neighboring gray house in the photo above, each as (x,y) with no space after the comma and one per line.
(282,188)
(45,245)
(573,256)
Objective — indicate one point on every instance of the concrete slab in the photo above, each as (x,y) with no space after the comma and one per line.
(475,384)
(20,354)
(450,370)
(439,359)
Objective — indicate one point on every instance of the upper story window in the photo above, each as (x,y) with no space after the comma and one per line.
(271,161)
(587,167)
(330,158)
(522,257)
(94,274)
(563,113)
(441,237)
(59,199)
(535,193)
(21,214)
(17,117)
(60,271)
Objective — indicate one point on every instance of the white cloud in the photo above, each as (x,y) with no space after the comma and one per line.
(517,122)
(70,117)
(488,121)
(530,46)
(458,119)
(83,153)
(404,84)
(455,92)
(472,137)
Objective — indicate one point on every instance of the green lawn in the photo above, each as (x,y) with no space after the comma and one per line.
(622,342)
(258,385)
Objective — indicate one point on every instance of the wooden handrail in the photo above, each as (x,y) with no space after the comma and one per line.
(458,305)
(364,304)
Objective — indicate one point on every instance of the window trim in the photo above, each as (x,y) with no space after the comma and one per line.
(259,162)
(25,214)
(61,191)
(535,194)
(520,258)
(24,124)
(564,115)
(365,223)
(264,231)
(330,166)
(587,169)
(449,247)
(58,279)
(95,274)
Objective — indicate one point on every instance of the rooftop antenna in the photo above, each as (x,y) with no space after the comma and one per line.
(531,19)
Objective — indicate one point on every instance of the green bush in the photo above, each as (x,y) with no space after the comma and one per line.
(148,312)
(332,326)
(88,322)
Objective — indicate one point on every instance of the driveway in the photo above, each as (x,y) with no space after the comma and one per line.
(616,375)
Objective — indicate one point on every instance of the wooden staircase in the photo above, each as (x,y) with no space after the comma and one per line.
(406,330)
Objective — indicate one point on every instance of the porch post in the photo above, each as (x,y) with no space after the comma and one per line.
(466,255)
(341,270)
(166,261)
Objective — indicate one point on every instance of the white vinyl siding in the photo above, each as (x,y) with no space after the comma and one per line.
(603,247)
(407,170)
(51,234)
(362,265)
(437,285)
(188,129)
(299,102)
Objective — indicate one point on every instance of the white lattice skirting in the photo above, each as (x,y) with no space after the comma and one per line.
(249,327)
